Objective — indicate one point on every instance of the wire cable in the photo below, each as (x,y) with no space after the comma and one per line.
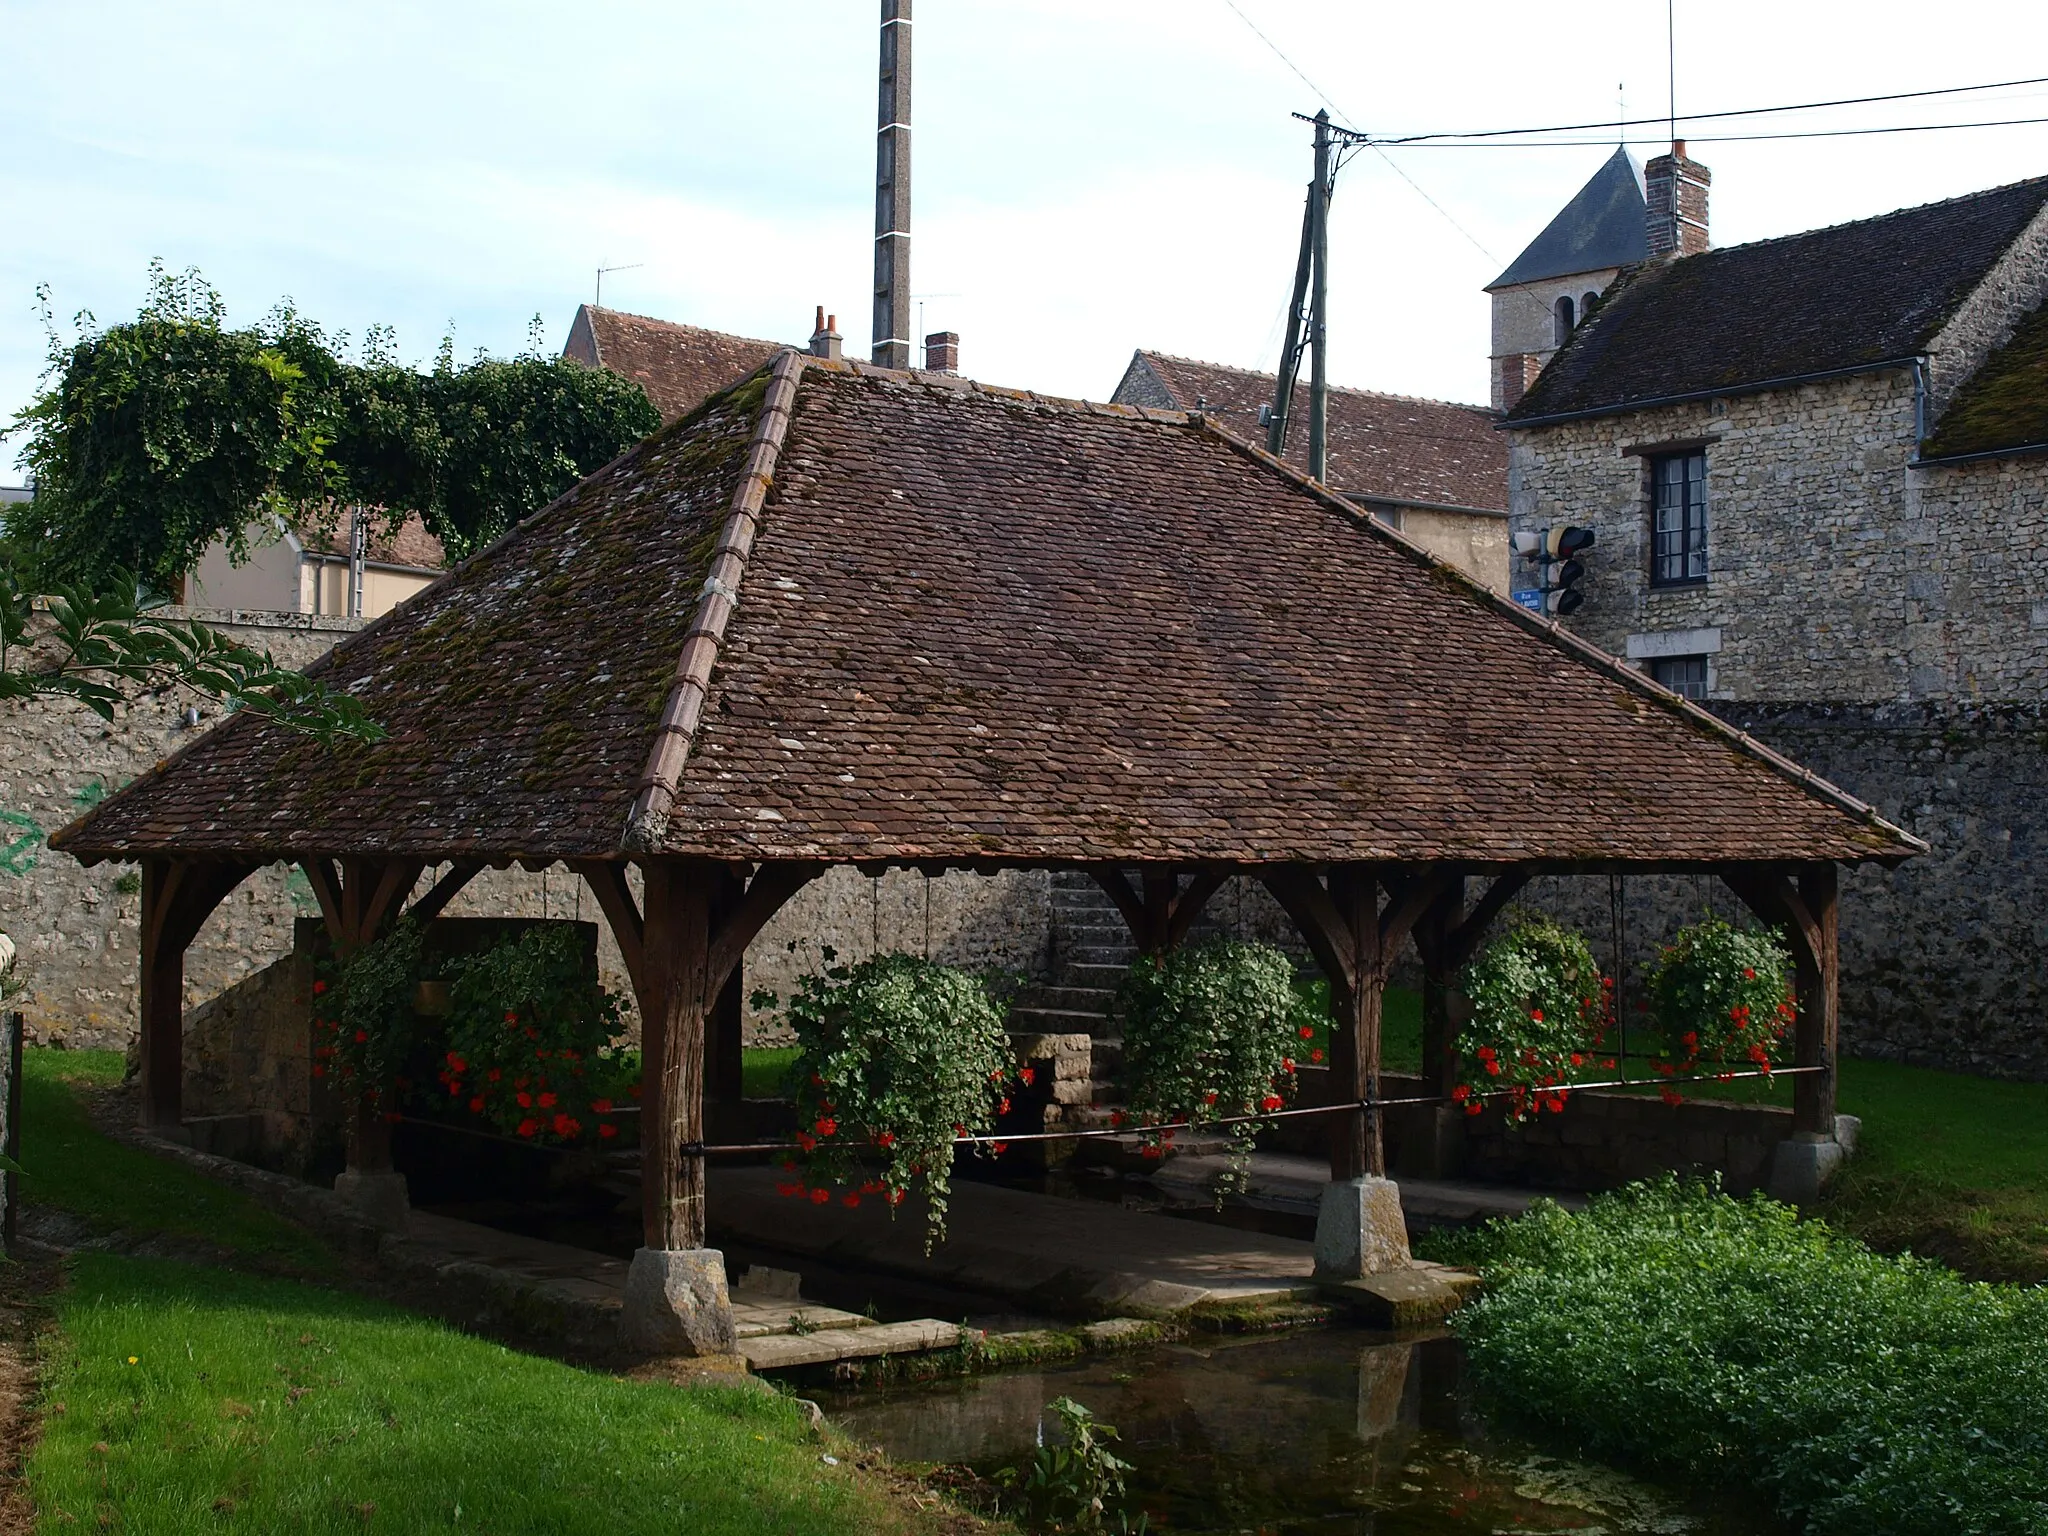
(1726,138)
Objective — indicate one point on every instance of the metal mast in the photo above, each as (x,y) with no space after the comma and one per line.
(892,192)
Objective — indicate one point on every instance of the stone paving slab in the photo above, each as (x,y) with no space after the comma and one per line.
(753,1320)
(785,1351)
(592,1278)
(1072,1257)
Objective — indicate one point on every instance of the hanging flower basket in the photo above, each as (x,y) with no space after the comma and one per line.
(897,1056)
(1719,996)
(364,1027)
(1540,1010)
(1211,1033)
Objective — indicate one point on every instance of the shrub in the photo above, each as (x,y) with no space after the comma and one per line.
(1727,1340)
(527,1026)
(1210,1032)
(1719,997)
(897,1056)
(1539,1010)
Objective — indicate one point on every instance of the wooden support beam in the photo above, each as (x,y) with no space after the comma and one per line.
(607,882)
(177,898)
(1407,899)
(326,883)
(1303,897)
(1470,933)
(1357,1141)
(1117,887)
(444,890)
(673,1003)
(1803,902)
(394,882)
(1188,905)
(1160,917)
(766,894)
(725,1029)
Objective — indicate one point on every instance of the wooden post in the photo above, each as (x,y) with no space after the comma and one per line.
(1357,1141)
(163,998)
(673,1008)
(1816,970)
(724,1043)
(1434,941)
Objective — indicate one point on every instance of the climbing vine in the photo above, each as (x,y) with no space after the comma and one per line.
(1210,1033)
(1540,1010)
(897,1056)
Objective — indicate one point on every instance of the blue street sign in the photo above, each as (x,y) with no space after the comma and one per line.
(1530,598)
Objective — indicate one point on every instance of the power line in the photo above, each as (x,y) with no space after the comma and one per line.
(1701,117)
(1726,138)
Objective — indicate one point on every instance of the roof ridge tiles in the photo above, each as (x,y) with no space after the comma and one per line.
(1340,389)
(1869,218)
(684,325)
(1584,650)
(647,821)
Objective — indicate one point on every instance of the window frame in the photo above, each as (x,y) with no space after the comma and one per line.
(1694,525)
(1706,677)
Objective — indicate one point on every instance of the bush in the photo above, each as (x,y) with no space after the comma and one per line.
(897,1056)
(1210,1032)
(1539,1010)
(1727,1340)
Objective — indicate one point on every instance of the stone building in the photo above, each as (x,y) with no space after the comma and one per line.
(1817,470)
(1434,470)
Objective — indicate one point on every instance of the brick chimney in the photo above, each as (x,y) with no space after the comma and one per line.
(942,352)
(825,336)
(1512,376)
(1675,204)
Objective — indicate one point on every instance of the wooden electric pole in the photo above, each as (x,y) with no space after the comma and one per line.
(891,347)
(1308,310)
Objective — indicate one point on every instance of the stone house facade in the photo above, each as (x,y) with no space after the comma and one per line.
(1817,473)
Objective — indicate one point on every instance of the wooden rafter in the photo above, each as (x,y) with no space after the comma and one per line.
(607,882)
(444,890)
(1465,939)
(766,894)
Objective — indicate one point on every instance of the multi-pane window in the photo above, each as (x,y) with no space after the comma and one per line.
(1678,518)
(1684,675)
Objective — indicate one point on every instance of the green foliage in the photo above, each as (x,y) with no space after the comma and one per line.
(1719,996)
(1728,1340)
(530,1020)
(86,643)
(114,1187)
(255,1405)
(1539,1010)
(897,1057)
(160,435)
(1075,1486)
(1210,1032)
(364,1025)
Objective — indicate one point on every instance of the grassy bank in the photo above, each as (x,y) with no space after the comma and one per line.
(1729,1342)
(194,1400)
(180,1398)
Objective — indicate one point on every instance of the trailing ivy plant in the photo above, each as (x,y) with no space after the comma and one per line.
(364,1024)
(897,1057)
(1719,996)
(1210,1033)
(1539,1011)
(528,1029)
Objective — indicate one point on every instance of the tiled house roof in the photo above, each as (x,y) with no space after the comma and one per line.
(408,545)
(1850,297)
(678,365)
(1382,447)
(977,625)
(2005,403)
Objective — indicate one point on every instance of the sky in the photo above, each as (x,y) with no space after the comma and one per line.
(1090,176)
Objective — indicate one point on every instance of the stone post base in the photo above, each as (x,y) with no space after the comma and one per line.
(379,1198)
(676,1303)
(1360,1229)
(1802,1166)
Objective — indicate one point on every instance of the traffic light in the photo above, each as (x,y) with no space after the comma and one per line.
(1554,552)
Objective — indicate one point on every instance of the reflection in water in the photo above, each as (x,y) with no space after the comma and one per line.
(1331,1432)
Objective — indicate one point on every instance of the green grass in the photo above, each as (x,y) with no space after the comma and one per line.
(196,1400)
(764,1072)
(71,1166)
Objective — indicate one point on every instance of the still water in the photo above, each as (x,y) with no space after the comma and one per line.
(1327,1432)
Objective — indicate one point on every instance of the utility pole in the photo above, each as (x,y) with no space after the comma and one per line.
(892,192)
(1308,310)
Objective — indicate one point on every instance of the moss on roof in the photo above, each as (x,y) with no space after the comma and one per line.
(2006,404)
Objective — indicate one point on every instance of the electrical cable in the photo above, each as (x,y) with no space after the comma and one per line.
(1728,138)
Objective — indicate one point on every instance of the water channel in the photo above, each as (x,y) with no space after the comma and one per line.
(1332,1432)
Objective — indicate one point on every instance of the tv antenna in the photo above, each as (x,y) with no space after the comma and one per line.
(598,301)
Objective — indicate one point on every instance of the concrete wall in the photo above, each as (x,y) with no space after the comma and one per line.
(1475,542)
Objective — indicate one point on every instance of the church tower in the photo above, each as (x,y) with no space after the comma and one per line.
(1545,291)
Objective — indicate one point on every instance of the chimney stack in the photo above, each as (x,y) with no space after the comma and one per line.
(1675,204)
(942,352)
(892,192)
(825,336)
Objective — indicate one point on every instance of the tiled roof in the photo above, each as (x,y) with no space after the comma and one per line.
(680,366)
(2005,403)
(408,545)
(1601,227)
(1382,447)
(1843,298)
(979,625)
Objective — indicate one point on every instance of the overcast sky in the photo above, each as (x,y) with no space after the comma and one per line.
(1091,175)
